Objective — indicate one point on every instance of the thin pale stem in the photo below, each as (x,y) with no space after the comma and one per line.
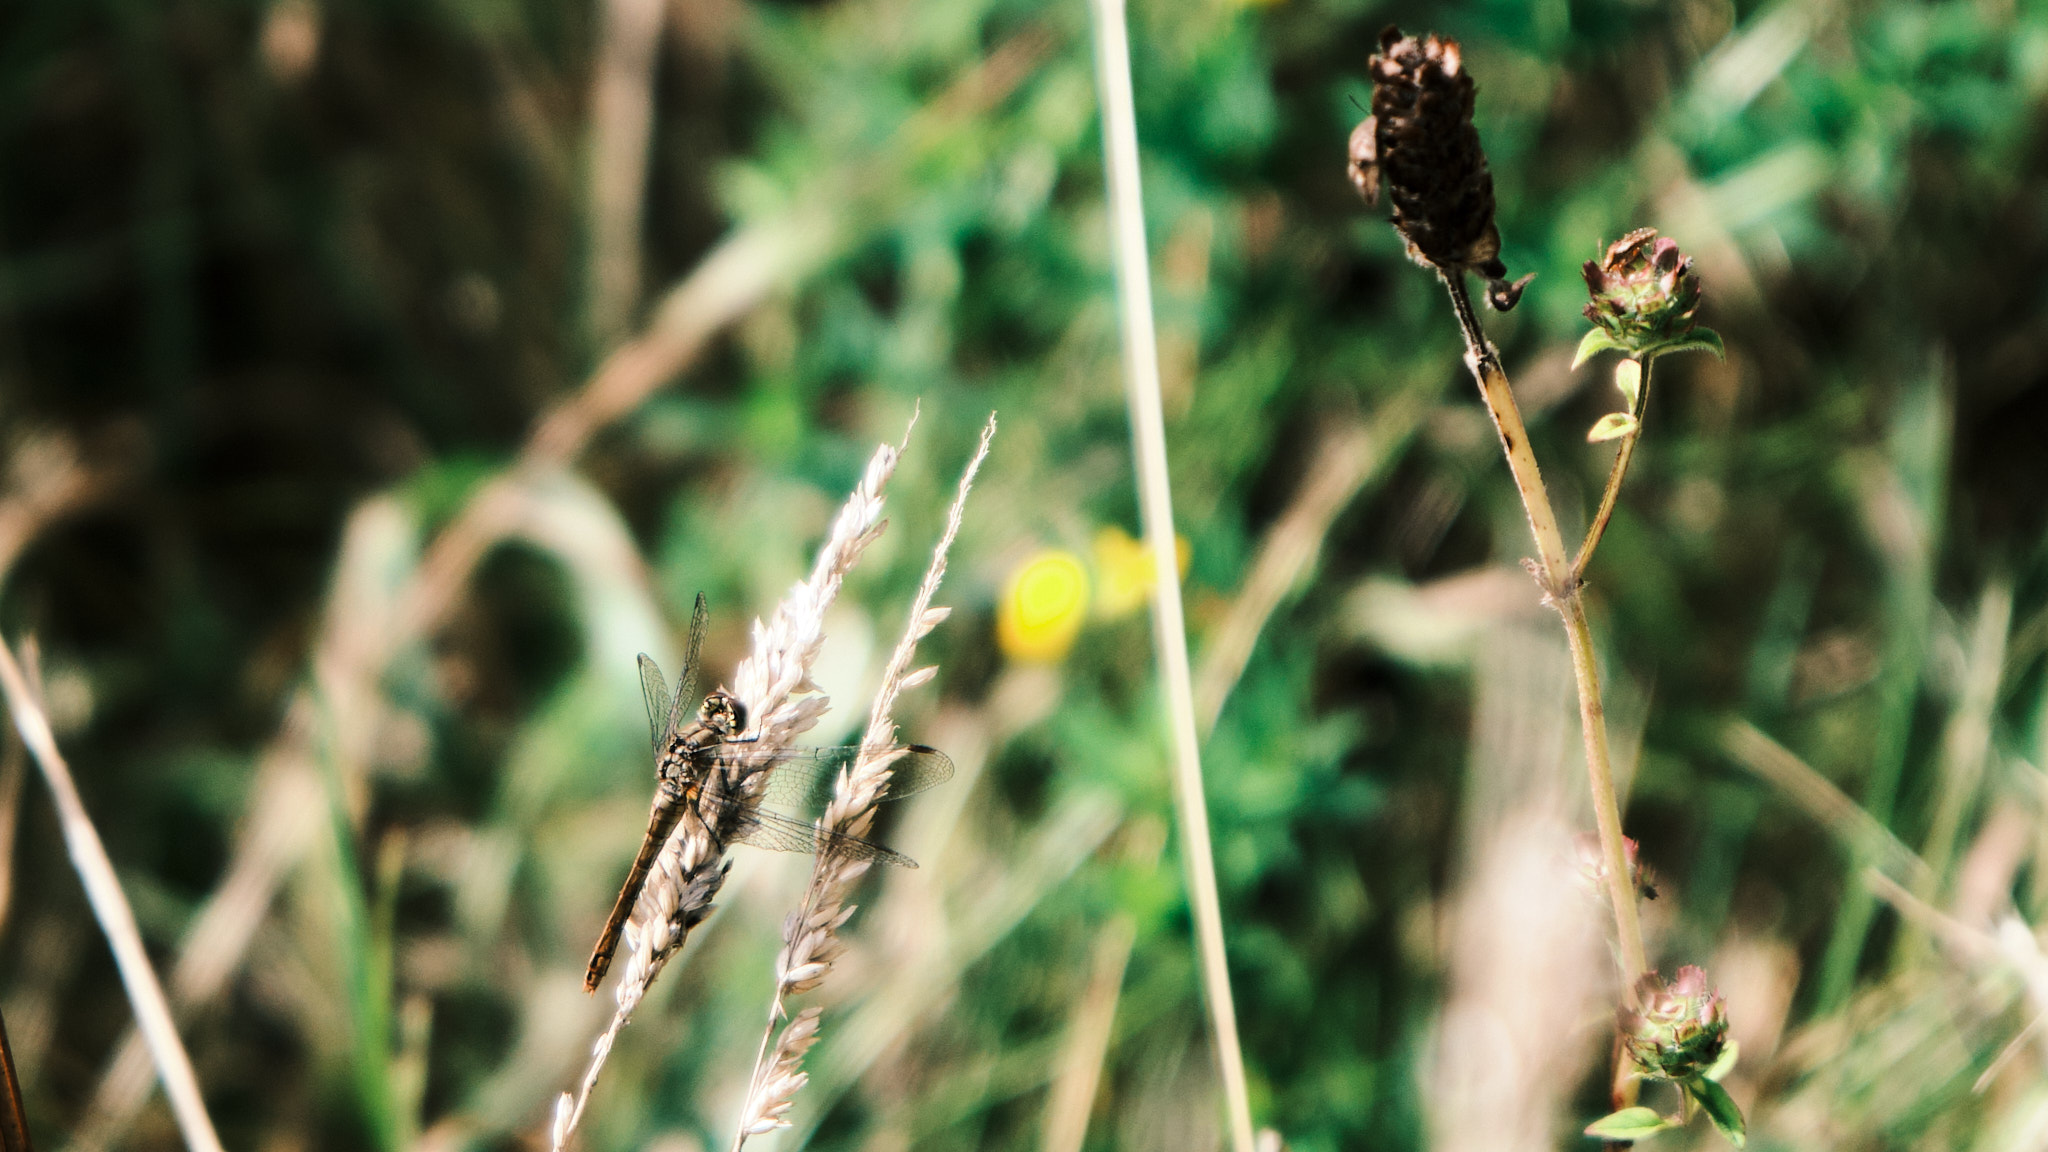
(1621,889)
(110,906)
(778,1011)
(1561,588)
(1169,628)
(1614,477)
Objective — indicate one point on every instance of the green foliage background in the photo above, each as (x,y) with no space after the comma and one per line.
(266,279)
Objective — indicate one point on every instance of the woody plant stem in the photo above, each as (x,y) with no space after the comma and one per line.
(1559,578)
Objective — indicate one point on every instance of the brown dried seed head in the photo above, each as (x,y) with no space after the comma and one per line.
(1420,145)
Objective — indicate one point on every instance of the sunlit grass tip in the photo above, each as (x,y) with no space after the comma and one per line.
(811,933)
(774,684)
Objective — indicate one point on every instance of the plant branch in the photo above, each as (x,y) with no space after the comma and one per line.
(1561,590)
(1621,885)
(1615,475)
(1484,361)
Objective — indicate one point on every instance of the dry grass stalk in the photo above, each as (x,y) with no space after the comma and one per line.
(810,941)
(48,482)
(109,904)
(1169,627)
(774,685)
(621,123)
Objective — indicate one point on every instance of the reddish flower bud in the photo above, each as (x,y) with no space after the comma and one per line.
(1643,293)
(1678,1030)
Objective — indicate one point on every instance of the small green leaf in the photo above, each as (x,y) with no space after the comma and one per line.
(1594,343)
(1697,340)
(1720,1108)
(1611,426)
(1724,1063)
(1636,1123)
(1628,378)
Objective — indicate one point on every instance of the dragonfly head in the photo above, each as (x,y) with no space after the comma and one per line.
(722,714)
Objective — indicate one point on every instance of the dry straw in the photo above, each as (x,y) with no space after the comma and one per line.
(109,905)
(810,936)
(1169,629)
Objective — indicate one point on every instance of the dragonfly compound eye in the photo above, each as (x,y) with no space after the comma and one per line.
(723,714)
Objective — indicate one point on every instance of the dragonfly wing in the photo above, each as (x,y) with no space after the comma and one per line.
(796,775)
(655,692)
(686,681)
(920,767)
(779,833)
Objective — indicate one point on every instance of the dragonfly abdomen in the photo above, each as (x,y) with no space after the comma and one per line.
(660,822)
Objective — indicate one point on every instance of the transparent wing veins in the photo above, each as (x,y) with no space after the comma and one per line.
(779,833)
(655,693)
(686,681)
(794,774)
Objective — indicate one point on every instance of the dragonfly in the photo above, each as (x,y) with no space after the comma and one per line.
(687,751)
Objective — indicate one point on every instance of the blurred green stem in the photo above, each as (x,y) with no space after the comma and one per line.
(1561,589)
(1614,476)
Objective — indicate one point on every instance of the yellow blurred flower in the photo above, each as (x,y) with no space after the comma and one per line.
(1042,607)
(1123,569)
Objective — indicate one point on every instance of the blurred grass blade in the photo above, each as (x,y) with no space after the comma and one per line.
(1856,829)
(1078,1076)
(1350,456)
(1965,746)
(621,125)
(1902,497)
(110,906)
